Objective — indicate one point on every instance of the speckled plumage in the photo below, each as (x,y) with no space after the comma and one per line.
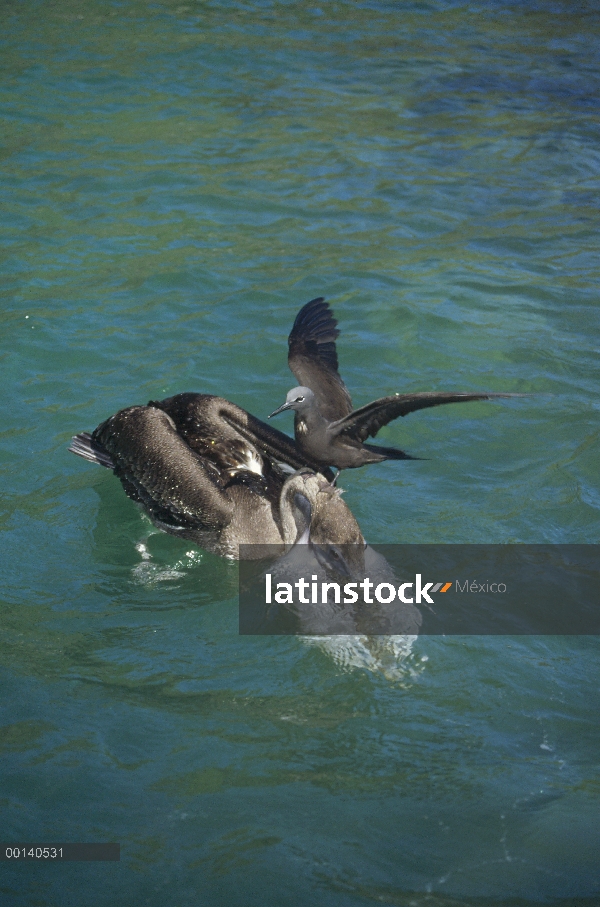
(206,470)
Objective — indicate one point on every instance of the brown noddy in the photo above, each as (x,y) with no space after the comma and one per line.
(327,429)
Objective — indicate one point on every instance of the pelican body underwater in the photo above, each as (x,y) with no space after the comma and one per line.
(327,430)
(206,470)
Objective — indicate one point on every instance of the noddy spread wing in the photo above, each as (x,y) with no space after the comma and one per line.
(313,361)
(365,422)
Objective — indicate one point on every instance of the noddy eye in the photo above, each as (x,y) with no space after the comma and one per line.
(299,399)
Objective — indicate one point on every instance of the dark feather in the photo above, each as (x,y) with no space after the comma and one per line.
(312,358)
(195,416)
(366,421)
(84,446)
(390,453)
(159,470)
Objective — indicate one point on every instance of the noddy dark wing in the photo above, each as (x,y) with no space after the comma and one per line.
(366,421)
(312,359)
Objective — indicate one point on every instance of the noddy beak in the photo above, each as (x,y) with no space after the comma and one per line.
(280,410)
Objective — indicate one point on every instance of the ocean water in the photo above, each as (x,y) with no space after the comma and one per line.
(177,180)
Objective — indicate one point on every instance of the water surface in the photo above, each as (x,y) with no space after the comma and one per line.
(177,180)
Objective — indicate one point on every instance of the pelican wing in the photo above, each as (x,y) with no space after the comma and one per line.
(159,470)
(312,358)
(365,422)
(200,418)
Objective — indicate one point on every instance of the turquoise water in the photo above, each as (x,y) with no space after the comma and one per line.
(177,180)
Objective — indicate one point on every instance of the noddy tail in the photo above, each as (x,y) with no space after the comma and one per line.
(390,453)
